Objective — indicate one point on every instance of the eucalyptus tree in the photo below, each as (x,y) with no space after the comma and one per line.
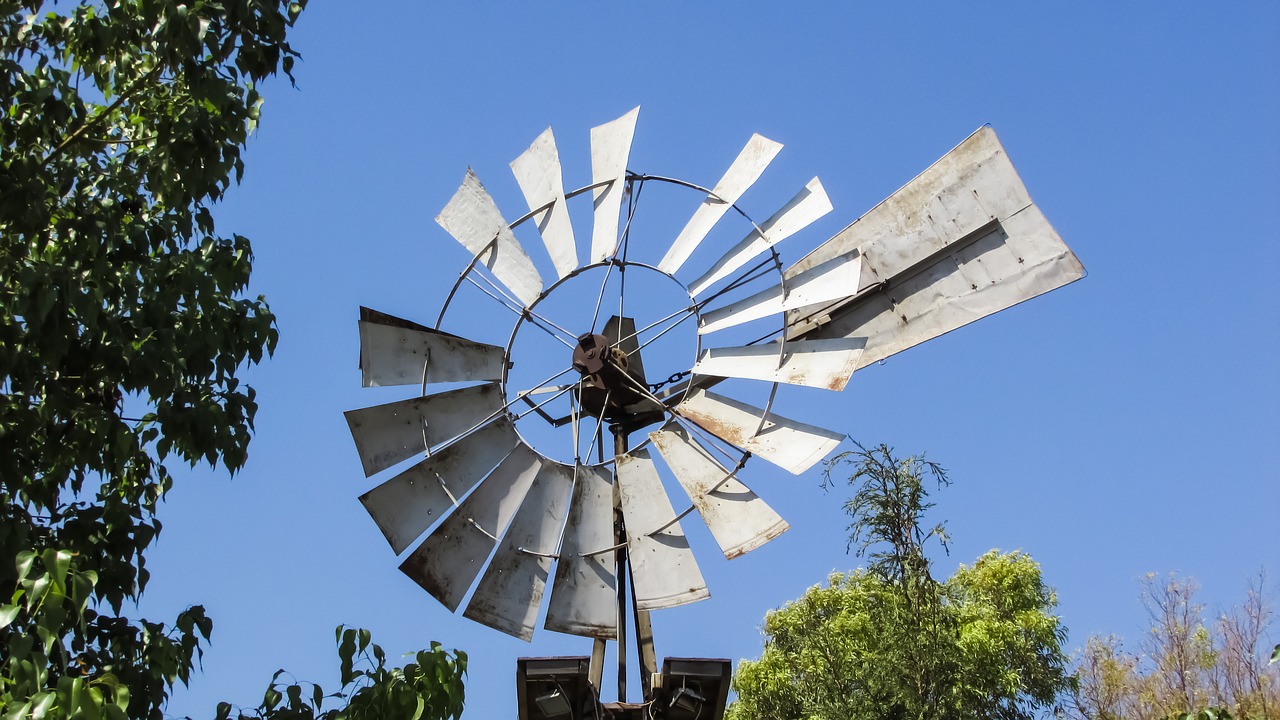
(124,325)
(889,641)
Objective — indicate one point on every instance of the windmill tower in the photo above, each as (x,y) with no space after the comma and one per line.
(514,489)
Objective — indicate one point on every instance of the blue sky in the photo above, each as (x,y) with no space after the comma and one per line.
(1125,424)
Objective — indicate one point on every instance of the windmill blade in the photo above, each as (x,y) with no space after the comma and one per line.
(791,445)
(835,278)
(807,206)
(474,220)
(509,594)
(812,363)
(744,171)
(610,148)
(959,242)
(663,570)
(387,434)
(583,598)
(409,503)
(448,561)
(738,519)
(538,174)
(394,351)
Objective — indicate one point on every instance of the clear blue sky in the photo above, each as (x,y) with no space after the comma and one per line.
(1126,424)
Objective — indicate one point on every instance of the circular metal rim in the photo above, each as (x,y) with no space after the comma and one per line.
(631,180)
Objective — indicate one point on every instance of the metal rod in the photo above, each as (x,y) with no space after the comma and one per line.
(531,317)
(645,656)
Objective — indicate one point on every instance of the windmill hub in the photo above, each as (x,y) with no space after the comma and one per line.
(613,386)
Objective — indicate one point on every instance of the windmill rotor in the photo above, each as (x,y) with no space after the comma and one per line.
(503,522)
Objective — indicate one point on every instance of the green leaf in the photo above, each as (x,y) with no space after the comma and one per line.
(7,615)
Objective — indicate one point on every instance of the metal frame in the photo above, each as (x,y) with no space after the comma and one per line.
(634,183)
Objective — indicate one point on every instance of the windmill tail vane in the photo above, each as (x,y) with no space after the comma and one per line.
(497,516)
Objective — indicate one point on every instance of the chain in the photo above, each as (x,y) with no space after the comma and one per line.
(675,377)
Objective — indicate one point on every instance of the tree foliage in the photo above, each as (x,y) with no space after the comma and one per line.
(123,325)
(891,642)
(1186,665)
(430,686)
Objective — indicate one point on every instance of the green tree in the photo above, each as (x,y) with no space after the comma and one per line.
(891,642)
(124,326)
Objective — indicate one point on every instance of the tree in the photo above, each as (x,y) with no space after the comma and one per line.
(1187,667)
(891,642)
(123,324)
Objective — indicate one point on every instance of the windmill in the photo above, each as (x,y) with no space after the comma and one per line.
(513,488)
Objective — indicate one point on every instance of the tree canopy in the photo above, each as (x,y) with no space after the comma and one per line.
(891,642)
(124,326)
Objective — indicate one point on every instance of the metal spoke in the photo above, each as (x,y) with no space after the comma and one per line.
(533,318)
(503,408)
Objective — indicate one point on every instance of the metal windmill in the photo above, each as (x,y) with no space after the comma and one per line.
(503,515)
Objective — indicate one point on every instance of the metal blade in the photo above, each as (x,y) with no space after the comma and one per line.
(959,242)
(739,521)
(610,147)
(833,279)
(583,598)
(813,363)
(409,503)
(537,171)
(510,592)
(474,220)
(789,444)
(744,171)
(448,561)
(399,352)
(663,569)
(387,434)
(808,205)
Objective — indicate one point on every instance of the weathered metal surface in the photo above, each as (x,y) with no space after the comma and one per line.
(395,355)
(663,570)
(474,220)
(738,519)
(408,504)
(509,594)
(538,174)
(448,561)
(387,434)
(610,148)
(807,206)
(582,597)
(835,278)
(813,363)
(959,242)
(789,444)
(744,171)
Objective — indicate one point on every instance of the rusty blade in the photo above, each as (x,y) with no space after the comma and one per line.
(509,594)
(392,354)
(663,570)
(387,434)
(474,220)
(833,279)
(610,147)
(744,171)
(448,561)
(738,519)
(409,503)
(812,363)
(537,172)
(583,598)
(807,206)
(789,444)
